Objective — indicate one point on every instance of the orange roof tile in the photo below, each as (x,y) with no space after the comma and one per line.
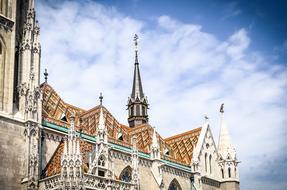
(179,147)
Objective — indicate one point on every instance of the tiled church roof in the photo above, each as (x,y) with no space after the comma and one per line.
(178,148)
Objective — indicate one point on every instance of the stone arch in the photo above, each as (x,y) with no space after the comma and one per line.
(126,174)
(174,185)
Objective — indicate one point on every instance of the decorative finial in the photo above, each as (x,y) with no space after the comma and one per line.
(136,48)
(222,108)
(206,117)
(46,75)
(101,98)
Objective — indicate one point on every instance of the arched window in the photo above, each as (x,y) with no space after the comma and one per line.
(132,111)
(210,167)
(137,110)
(143,110)
(235,172)
(126,174)
(174,185)
(229,172)
(222,173)
(205,161)
(101,161)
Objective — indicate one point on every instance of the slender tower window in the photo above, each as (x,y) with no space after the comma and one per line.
(229,172)
(205,160)
(222,173)
(210,167)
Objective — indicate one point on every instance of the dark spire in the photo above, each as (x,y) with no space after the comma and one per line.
(46,75)
(137,104)
(137,90)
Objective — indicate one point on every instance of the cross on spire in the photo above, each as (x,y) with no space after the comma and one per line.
(101,98)
(46,75)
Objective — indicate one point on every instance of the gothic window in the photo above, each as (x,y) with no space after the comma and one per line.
(174,185)
(0,48)
(205,161)
(137,110)
(101,161)
(126,174)
(235,172)
(222,173)
(132,111)
(229,172)
(143,110)
(210,167)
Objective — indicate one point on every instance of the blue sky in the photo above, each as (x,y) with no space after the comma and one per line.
(193,57)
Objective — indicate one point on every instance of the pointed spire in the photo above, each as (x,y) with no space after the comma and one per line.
(155,144)
(225,146)
(101,126)
(137,90)
(72,132)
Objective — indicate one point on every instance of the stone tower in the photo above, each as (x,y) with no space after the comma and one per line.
(20,95)
(19,55)
(228,163)
(137,103)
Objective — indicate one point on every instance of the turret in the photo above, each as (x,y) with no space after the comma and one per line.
(137,102)
(71,161)
(227,156)
(155,148)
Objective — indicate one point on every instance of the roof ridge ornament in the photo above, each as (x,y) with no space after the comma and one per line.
(101,99)
(46,75)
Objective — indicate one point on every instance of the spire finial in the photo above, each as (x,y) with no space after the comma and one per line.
(206,118)
(101,98)
(46,75)
(136,48)
(222,108)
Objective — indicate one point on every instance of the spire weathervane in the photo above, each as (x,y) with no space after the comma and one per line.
(136,48)
(101,98)
(46,75)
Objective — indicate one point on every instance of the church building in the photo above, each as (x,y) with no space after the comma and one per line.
(48,144)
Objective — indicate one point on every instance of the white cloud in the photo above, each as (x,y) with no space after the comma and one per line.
(186,73)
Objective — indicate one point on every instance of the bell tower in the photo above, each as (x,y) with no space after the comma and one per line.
(137,102)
